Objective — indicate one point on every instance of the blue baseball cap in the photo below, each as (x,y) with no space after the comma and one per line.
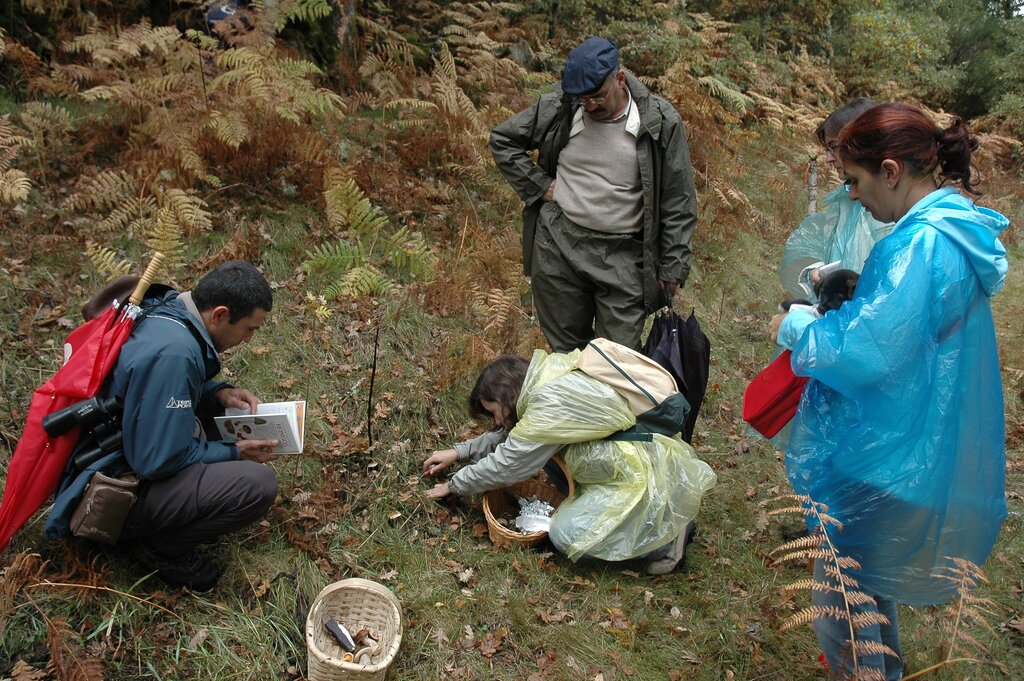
(588,65)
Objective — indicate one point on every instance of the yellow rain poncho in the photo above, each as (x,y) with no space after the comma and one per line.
(632,496)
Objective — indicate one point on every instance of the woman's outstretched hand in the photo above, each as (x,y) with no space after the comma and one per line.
(438,491)
(438,461)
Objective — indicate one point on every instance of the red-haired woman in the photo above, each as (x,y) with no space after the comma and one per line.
(900,431)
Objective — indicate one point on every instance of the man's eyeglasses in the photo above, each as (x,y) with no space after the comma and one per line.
(587,101)
(599,98)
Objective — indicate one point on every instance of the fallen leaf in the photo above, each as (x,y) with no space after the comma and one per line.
(23,671)
(260,590)
(467,640)
(438,637)
(492,641)
(556,616)
(465,576)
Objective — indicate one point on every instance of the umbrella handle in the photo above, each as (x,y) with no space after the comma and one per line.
(147,278)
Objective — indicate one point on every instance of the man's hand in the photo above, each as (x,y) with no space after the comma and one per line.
(256,450)
(237,398)
(549,194)
(669,287)
(438,491)
(438,461)
(774,326)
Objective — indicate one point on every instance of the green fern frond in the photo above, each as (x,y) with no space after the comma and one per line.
(296,68)
(360,281)
(107,261)
(321,101)
(407,253)
(348,209)
(336,257)
(305,10)
(734,99)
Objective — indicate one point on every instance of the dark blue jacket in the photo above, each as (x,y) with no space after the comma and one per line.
(164,373)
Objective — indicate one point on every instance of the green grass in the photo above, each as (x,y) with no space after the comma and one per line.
(336,515)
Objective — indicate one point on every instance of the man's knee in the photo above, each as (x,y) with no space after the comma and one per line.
(258,483)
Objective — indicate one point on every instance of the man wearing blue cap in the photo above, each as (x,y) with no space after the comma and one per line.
(610,202)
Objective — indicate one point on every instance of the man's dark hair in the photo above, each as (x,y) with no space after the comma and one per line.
(236,285)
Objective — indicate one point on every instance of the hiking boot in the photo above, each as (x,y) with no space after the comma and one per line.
(192,571)
(676,552)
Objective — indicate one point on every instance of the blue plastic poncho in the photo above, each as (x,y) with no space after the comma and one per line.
(842,231)
(631,496)
(900,432)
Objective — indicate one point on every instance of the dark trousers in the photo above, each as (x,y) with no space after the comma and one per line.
(199,504)
(586,284)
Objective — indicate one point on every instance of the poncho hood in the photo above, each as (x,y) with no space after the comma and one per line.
(973,228)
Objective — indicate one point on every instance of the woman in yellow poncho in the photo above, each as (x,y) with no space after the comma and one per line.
(634,497)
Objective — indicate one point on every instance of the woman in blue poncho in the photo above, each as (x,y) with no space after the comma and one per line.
(900,431)
(842,231)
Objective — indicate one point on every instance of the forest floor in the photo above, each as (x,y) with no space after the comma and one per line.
(352,504)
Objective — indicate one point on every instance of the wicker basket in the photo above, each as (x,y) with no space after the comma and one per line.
(501,503)
(356,603)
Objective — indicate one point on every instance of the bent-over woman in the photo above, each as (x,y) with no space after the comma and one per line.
(635,496)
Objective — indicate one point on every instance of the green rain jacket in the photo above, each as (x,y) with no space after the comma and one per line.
(670,200)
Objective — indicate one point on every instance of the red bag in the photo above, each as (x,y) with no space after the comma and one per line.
(771,399)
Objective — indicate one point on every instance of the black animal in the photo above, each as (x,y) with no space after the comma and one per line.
(834,289)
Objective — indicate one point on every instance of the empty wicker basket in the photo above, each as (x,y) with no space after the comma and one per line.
(502,503)
(355,603)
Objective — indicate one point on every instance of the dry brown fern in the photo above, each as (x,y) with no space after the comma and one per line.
(819,547)
(24,568)
(69,661)
(965,612)
(14,183)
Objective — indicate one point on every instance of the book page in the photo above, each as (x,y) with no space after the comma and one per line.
(281,421)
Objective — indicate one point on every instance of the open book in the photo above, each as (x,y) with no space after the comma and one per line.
(824,270)
(281,421)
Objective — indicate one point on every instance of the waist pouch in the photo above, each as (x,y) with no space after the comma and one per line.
(104,508)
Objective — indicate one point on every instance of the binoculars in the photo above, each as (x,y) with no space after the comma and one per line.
(100,418)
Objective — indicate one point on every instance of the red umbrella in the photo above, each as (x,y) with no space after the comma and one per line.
(39,460)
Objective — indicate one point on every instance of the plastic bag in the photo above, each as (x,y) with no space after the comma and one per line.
(842,231)
(632,497)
